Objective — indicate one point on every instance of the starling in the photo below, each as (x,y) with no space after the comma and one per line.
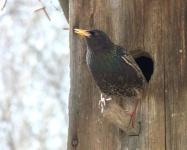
(113,68)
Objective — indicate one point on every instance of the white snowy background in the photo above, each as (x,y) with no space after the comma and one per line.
(34,76)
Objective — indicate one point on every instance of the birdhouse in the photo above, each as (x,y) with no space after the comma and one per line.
(157,31)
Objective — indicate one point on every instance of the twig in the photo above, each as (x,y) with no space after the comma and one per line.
(43,8)
(65,28)
(45,11)
(38,9)
(4,4)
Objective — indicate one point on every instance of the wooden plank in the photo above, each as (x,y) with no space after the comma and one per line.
(176,75)
(143,28)
(87,126)
(153,133)
(127,22)
(156,26)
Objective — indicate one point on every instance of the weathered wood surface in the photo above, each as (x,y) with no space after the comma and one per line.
(175,52)
(157,26)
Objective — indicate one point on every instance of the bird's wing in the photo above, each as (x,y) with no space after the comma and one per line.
(144,62)
(128,59)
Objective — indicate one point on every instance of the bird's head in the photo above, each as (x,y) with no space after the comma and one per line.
(96,40)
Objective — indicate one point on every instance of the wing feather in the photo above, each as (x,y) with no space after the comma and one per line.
(128,59)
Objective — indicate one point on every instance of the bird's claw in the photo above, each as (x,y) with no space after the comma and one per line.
(132,119)
(133,115)
(102,102)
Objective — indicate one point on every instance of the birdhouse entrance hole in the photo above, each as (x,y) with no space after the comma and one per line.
(146,64)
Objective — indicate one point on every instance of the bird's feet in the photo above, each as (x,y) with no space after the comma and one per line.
(133,115)
(102,101)
(132,118)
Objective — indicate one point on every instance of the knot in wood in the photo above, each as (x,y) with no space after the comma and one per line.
(74,142)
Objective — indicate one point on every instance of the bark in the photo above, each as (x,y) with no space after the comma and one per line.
(158,27)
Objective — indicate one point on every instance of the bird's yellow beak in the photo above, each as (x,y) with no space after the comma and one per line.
(82,32)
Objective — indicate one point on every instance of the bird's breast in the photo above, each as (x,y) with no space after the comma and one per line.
(112,76)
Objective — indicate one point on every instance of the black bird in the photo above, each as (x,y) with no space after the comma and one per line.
(112,67)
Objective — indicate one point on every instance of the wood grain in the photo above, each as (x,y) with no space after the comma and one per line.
(174,48)
(156,26)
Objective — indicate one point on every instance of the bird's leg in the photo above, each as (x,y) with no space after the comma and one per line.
(102,101)
(133,114)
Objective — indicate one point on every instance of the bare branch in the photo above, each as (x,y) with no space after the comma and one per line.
(65,28)
(43,8)
(4,4)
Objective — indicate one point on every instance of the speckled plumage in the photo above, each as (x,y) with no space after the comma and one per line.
(112,67)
